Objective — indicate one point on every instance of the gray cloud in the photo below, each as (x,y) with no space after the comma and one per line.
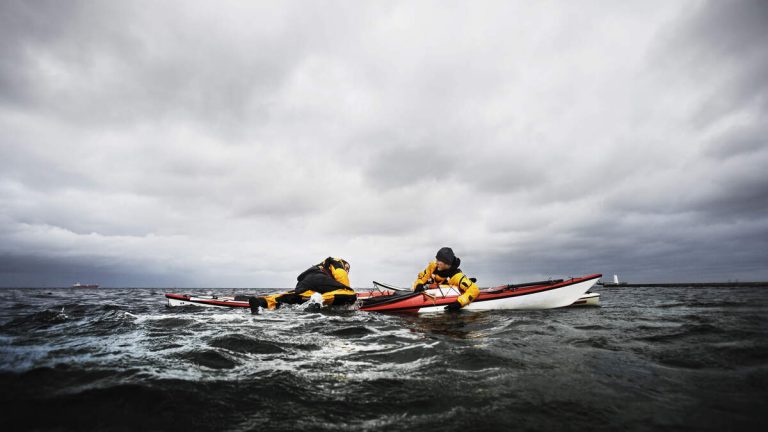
(121,64)
(234,144)
(725,49)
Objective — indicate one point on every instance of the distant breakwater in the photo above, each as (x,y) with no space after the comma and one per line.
(686,284)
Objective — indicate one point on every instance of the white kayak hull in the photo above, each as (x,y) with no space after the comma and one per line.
(550,299)
(588,299)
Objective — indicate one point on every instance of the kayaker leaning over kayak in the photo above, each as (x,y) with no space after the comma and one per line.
(445,270)
(329,278)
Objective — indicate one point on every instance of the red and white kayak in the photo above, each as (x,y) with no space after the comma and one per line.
(533,295)
(240,301)
(536,295)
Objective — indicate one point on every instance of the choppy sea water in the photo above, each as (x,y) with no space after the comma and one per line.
(647,359)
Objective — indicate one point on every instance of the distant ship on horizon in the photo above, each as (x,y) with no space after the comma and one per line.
(79,285)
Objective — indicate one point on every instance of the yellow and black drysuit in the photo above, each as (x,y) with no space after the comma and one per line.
(451,276)
(329,278)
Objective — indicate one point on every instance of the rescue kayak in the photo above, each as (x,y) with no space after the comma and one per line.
(534,295)
(531,295)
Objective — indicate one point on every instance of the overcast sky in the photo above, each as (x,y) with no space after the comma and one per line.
(206,144)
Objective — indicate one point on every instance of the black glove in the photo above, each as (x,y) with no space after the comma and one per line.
(419,288)
(255,302)
(453,307)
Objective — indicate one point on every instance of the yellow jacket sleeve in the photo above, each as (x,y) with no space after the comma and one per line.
(340,275)
(469,290)
(425,274)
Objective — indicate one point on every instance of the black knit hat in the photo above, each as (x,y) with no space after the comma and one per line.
(446,255)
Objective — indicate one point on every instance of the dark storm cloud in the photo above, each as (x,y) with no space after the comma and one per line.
(462,155)
(737,156)
(121,63)
(740,140)
(23,24)
(234,143)
(720,48)
(20,270)
(741,196)
(641,247)
(725,40)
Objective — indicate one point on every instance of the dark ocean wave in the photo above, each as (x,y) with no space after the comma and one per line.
(109,359)
(246,344)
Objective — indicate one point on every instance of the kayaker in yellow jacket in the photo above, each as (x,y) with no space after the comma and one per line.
(330,278)
(445,270)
